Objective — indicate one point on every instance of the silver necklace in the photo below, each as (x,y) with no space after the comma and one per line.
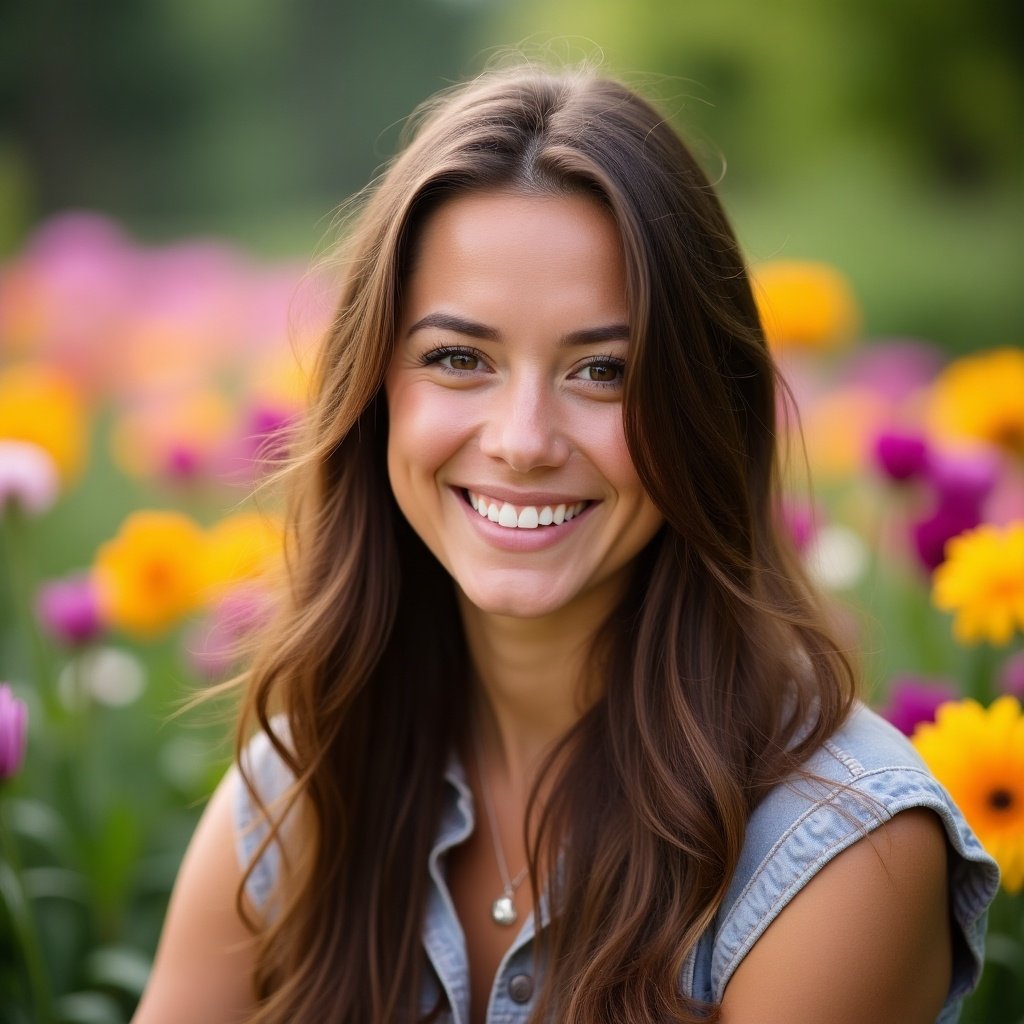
(503,909)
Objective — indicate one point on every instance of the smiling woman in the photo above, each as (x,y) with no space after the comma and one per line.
(536,578)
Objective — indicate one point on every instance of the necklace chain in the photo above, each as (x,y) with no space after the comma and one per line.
(503,912)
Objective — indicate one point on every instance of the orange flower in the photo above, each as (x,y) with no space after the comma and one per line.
(151,574)
(804,304)
(982,581)
(977,753)
(981,398)
(39,405)
(240,548)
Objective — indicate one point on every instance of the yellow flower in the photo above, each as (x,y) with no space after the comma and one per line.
(805,304)
(151,574)
(978,755)
(982,581)
(981,398)
(39,405)
(240,548)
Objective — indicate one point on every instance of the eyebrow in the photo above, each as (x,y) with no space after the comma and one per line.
(472,329)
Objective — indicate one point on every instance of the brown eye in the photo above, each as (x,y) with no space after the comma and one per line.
(603,373)
(463,361)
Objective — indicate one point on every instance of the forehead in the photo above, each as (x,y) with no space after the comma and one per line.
(503,251)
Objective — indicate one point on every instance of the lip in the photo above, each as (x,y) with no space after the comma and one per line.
(513,540)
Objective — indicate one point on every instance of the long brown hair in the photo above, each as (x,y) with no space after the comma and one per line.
(720,672)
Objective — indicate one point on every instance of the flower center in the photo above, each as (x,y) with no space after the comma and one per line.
(1000,799)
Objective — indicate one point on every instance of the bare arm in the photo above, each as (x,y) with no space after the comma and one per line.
(204,961)
(867,939)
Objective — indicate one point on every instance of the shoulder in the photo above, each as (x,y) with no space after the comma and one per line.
(868,938)
(862,778)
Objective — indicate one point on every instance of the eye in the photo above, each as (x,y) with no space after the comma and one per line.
(603,370)
(453,359)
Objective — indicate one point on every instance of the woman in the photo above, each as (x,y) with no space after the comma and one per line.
(545,654)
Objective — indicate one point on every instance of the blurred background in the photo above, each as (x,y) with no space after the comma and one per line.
(169,175)
(882,137)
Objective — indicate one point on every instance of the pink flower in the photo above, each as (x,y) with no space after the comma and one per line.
(68,609)
(801,519)
(901,455)
(28,477)
(212,647)
(13,728)
(914,699)
(1011,676)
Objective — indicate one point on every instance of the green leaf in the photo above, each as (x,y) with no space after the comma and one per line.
(56,883)
(89,1008)
(119,967)
(38,822)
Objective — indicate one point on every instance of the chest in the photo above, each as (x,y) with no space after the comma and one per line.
(474,883)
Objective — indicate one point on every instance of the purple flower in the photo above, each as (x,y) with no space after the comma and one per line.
(914,699)
(931,534)
(1011,676)
(69,610)
(212,647)
(28,477)
(801,519)
(13,728)
(964,477)
(895,369)
(901,455)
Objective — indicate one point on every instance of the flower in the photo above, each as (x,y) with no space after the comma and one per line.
(151,574)
(1011,675)
(931,534)
(68,610)
(28,477)
(13,729)
(804,304)
(981,397)
(239,548)
(982,581)
(913,700)
(977,753)
(212,647)
(38,404)
(900,454)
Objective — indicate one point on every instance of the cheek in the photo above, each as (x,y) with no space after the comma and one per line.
(425,428)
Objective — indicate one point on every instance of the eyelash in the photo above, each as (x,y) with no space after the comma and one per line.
(436,356)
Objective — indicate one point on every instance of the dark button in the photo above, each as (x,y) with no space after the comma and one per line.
(520,988)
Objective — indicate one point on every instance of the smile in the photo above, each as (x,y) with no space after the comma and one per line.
(523,517)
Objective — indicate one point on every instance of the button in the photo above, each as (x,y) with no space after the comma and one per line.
(520,988)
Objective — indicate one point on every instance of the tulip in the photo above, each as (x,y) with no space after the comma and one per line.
(69,610)
(900,455)
(13,727)
(28,477)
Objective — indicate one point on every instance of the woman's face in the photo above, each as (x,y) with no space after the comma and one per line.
(506,450)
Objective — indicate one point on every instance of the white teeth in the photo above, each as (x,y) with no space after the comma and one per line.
(529,517)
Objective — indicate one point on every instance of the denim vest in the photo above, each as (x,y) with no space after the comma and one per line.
(797,829)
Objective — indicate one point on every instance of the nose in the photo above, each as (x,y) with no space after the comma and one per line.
(523,427)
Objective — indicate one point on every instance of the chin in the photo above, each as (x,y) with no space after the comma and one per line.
(514,603)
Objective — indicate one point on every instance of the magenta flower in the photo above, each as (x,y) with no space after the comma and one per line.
(801,519)
(1011,676)
(901,455)
(28,477)
(69,610)
(964,477)
(13,729)
(931,534)
(212,647)
(914,699)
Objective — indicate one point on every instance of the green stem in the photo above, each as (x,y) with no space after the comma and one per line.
(14,528)
(27,933)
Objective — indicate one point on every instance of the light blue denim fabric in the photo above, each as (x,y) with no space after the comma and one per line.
(797,829)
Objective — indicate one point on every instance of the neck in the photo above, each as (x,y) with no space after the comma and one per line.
(531,681)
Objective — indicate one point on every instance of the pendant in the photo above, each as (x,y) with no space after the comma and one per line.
(503,911)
